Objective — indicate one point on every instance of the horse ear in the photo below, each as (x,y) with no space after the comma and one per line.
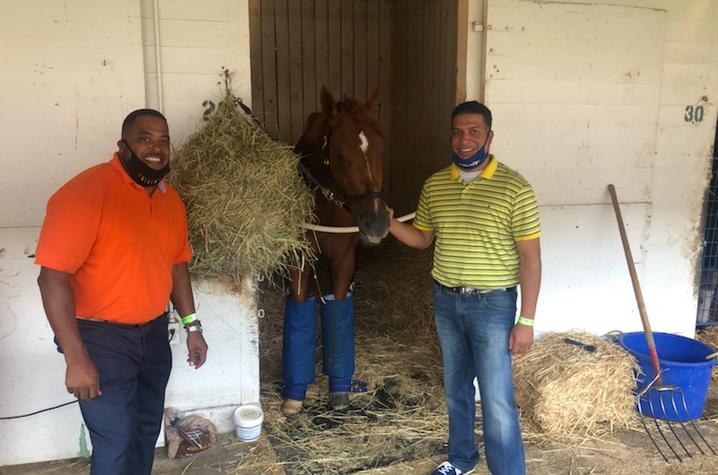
(310,120)
(373,102)
(328,104)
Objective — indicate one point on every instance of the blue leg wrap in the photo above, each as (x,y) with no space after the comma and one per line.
(338,342)
(298,346)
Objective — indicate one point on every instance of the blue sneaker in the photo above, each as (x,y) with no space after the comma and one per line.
(447,468)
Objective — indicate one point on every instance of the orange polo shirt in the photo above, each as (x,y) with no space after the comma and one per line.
(118,242)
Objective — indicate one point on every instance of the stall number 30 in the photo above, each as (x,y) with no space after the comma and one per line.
(693,114)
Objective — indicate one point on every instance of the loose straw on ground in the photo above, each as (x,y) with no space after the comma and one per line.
(401,416)
(709,336)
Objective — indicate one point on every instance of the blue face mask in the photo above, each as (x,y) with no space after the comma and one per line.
(477,159)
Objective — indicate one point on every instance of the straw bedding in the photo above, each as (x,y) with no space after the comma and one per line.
(709,336)
(402,416)
(565,391)
(245,201)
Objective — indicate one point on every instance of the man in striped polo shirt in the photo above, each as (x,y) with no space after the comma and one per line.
(485,220)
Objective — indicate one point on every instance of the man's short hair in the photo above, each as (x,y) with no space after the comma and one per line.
(132,116)
(473,107)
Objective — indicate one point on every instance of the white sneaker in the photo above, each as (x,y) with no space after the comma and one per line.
(447,468)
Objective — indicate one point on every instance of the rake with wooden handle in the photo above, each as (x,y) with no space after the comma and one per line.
(660,401)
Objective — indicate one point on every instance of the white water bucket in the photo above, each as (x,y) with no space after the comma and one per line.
(248,422)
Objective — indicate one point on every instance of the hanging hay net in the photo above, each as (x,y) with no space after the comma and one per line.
(246,202)
(565,391)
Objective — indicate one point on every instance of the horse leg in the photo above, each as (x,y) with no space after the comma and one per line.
(337,312)
(342,264)
(299,342)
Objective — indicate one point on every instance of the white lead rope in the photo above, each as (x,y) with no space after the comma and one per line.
(348,229)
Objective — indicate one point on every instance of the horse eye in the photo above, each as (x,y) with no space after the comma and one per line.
(341,159)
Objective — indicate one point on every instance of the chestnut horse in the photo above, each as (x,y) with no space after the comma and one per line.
(341,153)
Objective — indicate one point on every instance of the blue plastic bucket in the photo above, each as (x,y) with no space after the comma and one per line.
(684,365)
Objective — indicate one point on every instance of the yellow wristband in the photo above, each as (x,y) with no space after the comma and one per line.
(529,322)
(187,319)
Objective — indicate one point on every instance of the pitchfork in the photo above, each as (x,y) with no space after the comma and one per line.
(659,401)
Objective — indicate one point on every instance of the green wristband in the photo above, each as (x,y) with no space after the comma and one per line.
(529,322)
(187,319)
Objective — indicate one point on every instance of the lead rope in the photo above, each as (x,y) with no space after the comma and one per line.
(301,269)
(348,229)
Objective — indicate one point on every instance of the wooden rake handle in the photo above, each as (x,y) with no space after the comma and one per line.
(636,286)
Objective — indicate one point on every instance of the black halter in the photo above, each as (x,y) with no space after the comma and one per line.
(344,200)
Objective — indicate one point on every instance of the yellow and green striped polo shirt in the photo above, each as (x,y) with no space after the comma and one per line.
(476,226)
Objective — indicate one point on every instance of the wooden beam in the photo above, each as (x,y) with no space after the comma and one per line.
(255,59)
(269,69)
(462,38)
(310,51)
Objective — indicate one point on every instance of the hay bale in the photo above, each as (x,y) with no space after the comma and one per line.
(565,391)
(246,202)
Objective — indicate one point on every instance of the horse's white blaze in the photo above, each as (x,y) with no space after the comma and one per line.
(364,146)
(364,143)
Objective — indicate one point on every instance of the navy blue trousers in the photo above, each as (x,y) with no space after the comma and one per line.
(134,364)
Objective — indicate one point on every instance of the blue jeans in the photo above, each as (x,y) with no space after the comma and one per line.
(134,366)
(474,333)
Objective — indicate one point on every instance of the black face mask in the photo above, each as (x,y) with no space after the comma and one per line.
(140,172)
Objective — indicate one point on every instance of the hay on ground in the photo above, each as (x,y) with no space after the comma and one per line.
(402,416)
(245,200)
(709,336)
(565,391)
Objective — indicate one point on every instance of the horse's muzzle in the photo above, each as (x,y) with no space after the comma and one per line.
(373,220)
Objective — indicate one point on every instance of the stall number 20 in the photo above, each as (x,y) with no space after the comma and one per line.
(693,114)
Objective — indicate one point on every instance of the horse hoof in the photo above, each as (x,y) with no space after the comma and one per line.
(291,407)
(339,400)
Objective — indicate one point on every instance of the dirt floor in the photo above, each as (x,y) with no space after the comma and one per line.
(399,425)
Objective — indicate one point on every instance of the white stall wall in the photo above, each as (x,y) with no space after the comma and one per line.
(587,93)
(71,72)
(197,40)
(475,51)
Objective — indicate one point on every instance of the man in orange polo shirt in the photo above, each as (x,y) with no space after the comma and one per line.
(114,251)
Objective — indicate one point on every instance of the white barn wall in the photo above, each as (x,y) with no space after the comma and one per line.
(475,52)
(72,71)
(590,93)
(197,39)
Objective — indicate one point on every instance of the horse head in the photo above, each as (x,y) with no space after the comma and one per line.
(344,146)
